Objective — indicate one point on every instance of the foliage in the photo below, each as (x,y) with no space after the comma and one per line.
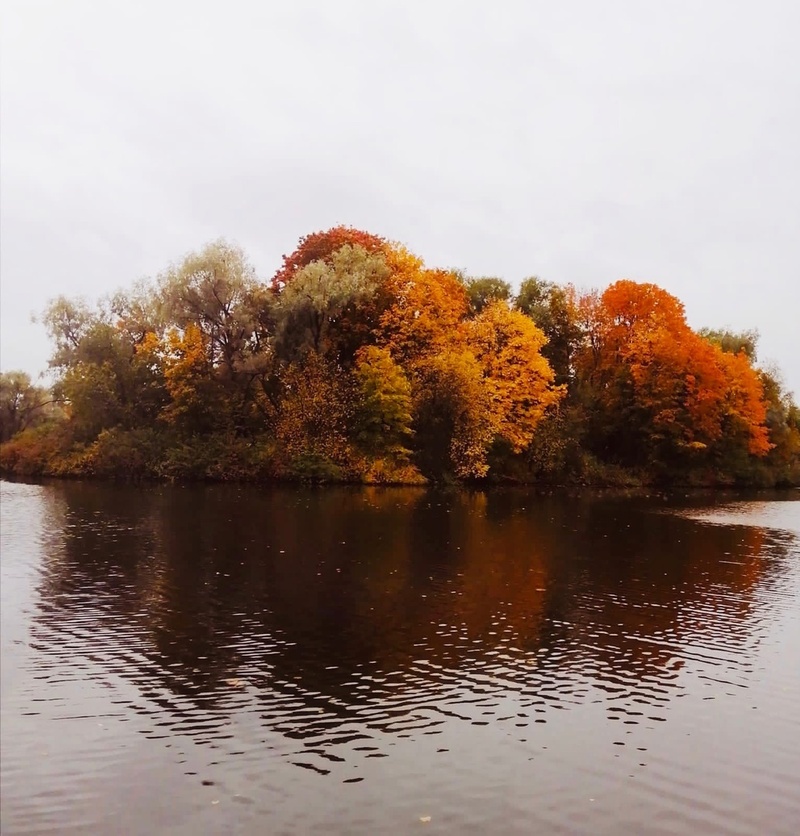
(517,379)
(383,418)
(22,404)
(555,312)
(453,420)
(426,315)
(315,413)
(194,404)
(320,246)
(311,307)
(35,451)
(660,394)
(485,290)
(733,342)
(358,362)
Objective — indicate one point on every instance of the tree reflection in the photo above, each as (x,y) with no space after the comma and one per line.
(340,600)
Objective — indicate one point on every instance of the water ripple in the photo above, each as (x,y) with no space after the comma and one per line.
(484,656)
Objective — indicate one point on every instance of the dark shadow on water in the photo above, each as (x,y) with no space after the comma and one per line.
(318,609)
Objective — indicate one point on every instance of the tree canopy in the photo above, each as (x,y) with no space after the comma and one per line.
(357,361)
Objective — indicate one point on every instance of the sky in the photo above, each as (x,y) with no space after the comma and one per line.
(578,141)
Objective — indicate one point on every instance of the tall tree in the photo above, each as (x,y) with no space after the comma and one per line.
(426,314)
(483,290)
(320,246)
(216,290)
(553,309)
(733,342)
(517,378)
(313,308)
(660,391)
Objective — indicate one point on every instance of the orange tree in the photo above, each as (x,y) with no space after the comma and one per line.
(660,394)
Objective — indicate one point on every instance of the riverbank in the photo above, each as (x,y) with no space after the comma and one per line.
(142,456)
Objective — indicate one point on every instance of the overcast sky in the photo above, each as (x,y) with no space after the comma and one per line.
(580,141)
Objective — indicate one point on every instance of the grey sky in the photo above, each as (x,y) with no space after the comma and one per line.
(580,141)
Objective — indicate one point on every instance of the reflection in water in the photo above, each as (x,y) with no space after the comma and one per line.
(332,629)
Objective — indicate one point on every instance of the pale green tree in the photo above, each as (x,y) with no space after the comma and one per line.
(310,308)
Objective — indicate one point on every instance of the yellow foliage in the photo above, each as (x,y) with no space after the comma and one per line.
(426,315)
(187,372)
(517,379)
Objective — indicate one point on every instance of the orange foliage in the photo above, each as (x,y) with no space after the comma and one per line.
(315,412)
(426,314)
(744,410)
(652,374)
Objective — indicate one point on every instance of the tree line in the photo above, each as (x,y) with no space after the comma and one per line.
(357,362)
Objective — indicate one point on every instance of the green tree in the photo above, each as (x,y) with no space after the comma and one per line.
(216,290)
(22,404)
(312,305)
(482,291)
(733,342)
(552,308)
(107,377)
(384,414)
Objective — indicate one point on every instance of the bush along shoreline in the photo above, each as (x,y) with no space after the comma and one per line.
(357,363)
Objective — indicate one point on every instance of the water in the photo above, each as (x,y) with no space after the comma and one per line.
(224,660)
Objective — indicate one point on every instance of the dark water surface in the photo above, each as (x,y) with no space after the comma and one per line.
(224,660)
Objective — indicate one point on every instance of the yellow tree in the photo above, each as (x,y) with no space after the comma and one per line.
(517,379)
(453,414)
(426,314)
(188,374)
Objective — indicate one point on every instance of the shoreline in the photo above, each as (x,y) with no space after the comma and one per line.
(641,489)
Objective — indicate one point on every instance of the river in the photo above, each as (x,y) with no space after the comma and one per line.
(216,659)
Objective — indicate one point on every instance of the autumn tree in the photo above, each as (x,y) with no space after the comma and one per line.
(744,411)
(68,323)
(216,292)
(106,377)
(660,391)
(311,308)
(383,418)
(426,315)
(139,312)
(453,419)
(637,364)
(315,414)
(320,246)
(783,423)
(194,405)
(517,379)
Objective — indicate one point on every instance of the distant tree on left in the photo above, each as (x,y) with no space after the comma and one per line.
(22,405)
